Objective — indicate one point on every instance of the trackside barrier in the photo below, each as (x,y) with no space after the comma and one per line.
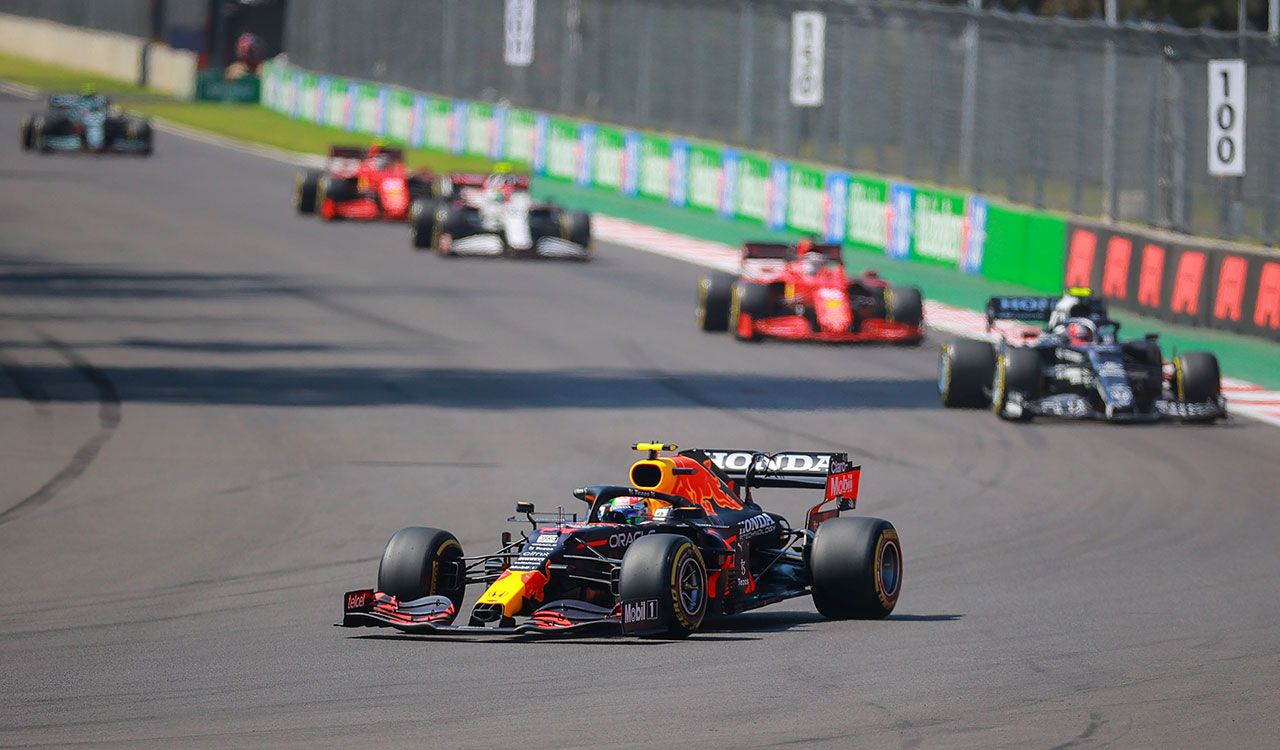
(128,58)
(905,221)
(1177,278)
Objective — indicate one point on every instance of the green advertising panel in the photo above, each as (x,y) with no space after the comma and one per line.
(562,149)
(655,167)
(272,84)
(400,115)
(308,102)
(752,198)
(1025,247)
(611,150)
(479,128)
(938,227)
(804,199)
(706,177)
(1003,257)
(367,114)
(868,216)
(518,140)
(335,115)
(1047,245)
(438,128)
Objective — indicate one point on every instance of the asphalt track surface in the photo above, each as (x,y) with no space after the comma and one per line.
(213,413)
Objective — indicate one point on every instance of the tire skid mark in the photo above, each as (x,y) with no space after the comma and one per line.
(108,420)
(28,387)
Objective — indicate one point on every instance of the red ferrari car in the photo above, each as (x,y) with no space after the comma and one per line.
(372,185)
(802,291)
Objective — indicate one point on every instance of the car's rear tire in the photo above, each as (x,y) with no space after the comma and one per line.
(422,223)
(856,568)
(419,561)
(1197,379)
(668,568)
(905,305)
(24,134)
(1146,353)
(715,294)
(38,143)
(305,188)
(965,370)
(457,223)
(748,303)
(1017,371)
(579,229)
(148,138)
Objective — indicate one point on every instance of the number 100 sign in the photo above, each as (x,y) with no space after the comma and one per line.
(1226,117)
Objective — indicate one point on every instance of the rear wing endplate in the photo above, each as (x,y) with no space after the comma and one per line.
(1020,308)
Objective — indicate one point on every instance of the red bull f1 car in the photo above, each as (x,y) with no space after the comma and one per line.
(87,123)
(361,185)
(1076,367)
(803,292)
(494,215)
(683,541)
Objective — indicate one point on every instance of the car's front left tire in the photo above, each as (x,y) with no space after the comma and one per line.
(305,187)
(715,294)
(669,569)
(420,561)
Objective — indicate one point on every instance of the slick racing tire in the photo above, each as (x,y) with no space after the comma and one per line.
(856,566)
(668,568)
(715,293)
(305,186)
(747,304)
(148,138)
(577,228)
(419,561)
(423,223)
(1146,353)
(1017,371)
(25,134)
(1197,379)
(965,370)
(38,126)
(904,304)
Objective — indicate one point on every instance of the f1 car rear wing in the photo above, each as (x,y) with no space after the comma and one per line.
(478,179)
(1040,309)
(359,152)
(1020,308)
(788,469)
(785,251)
(831,471)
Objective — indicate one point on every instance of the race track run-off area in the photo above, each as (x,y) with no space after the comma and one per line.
(213,414)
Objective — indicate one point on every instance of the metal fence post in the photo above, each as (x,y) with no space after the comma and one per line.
(969,95)
(448,46)
(644,71)
(570,46)
(1109,117)
(746,70)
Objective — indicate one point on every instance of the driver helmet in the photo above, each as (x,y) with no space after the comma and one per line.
(1081,331)
(378,157)
(628,510)
(813,261)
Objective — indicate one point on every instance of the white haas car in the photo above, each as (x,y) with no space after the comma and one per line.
(494,215)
